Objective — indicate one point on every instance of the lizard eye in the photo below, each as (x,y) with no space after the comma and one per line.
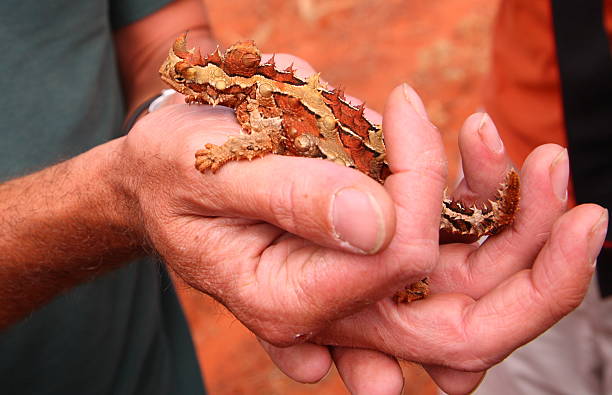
(178,78)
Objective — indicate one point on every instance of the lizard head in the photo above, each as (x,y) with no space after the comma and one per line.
(178,70)
(186,71)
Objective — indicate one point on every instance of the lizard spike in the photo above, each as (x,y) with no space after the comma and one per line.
(196,58)
(215,57)
(313,81)
(271,61)
(290,69)
(339,93)
(180,46)
(361,108)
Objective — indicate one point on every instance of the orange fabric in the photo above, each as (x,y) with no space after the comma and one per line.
(608,20)
(523,94)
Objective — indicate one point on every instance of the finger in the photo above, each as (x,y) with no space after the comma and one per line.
(368,371)
(416,158)
(428,331)
(474,335)
(481,148)
(543,199)
(258,272)
(539,297)
(329,283)
(331,205)
(305,363)
(453,381)
(356,222)
(415,154)
(364,219)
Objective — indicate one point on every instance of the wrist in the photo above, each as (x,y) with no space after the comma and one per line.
(118,199)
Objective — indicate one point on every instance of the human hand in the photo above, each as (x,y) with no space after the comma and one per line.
(232,234)
(486,300)
(351,361)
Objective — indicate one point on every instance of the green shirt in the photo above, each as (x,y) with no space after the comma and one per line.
(125,332)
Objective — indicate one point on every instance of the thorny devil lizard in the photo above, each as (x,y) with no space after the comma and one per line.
(283,114)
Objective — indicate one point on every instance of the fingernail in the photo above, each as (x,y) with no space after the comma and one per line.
(559,174)
(414,100)
(489,136)
(597,236)
(358,221)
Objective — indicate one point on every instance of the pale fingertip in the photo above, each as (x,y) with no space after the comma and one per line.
(306,363)
(453,381)
(368,372)
(563,269)
(358,221)
(597,235)
(489,136)
(480,148)
(559,174)
(414,100)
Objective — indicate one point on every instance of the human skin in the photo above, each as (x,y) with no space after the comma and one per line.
(45,221)
(544,199)
(234,233)
(471,322)
(534,272)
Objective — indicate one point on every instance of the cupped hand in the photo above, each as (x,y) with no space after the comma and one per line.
(287,244)
(306,250)
(487,299)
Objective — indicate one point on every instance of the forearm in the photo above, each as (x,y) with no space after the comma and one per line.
(143,46)
(62,226)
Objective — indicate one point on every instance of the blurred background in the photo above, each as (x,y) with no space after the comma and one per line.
(439,47)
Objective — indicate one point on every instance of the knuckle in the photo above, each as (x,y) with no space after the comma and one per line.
(433,160)
(294,208)
(416,258)
(282,322)
(283,334)
(283,205)
(468,353)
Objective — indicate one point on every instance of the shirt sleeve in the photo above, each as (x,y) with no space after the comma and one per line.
(124,12)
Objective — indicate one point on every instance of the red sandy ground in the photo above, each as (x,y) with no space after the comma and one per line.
(367,46)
